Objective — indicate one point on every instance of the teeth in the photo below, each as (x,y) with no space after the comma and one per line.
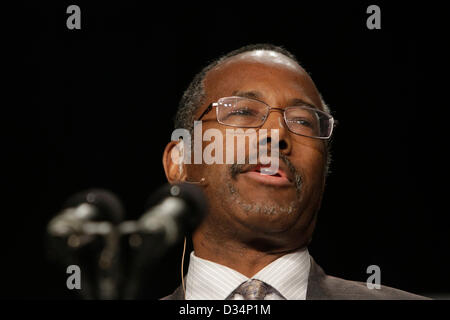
(268,171)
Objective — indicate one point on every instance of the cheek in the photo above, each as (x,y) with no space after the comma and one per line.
(215,174)
(310,160)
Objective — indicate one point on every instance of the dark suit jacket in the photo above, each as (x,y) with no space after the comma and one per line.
(324,287)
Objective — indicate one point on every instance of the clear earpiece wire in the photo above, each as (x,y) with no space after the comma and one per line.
(182,268)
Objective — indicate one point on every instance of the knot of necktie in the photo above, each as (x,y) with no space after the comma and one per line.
(255,290)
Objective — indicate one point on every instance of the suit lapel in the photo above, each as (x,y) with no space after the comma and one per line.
(178,294)
(316,285)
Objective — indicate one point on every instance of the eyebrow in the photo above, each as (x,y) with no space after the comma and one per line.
(248,94)
(256,95)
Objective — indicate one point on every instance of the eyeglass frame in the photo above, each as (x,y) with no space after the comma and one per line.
(216,104)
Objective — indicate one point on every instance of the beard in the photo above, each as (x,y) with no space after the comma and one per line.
(266,207)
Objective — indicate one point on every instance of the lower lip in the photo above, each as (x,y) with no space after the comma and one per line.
(268,179)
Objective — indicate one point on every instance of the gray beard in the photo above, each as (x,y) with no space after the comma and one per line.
(264,208)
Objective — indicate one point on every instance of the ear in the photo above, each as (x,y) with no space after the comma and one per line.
(173,163)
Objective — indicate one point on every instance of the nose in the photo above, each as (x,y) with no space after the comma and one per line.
(275,120)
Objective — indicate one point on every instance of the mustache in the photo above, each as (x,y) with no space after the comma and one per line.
(236,169)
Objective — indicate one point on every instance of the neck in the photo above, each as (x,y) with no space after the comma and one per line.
(248,258)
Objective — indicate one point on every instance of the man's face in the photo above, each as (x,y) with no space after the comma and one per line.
(274,213)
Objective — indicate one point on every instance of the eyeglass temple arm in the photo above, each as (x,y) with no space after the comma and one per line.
(207,110)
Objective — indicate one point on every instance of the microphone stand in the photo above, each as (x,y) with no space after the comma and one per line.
(108,264)
(143,259)
(108,261)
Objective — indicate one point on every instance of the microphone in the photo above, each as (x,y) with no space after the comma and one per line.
(89,219)
(89,212)
(173,211)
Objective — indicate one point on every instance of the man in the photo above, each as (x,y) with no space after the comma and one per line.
(253,242)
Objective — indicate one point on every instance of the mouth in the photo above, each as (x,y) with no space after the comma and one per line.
(262,174)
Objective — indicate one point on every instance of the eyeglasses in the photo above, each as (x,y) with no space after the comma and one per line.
(243,112)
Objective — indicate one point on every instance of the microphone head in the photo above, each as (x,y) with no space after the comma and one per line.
(108,205)
(192,195)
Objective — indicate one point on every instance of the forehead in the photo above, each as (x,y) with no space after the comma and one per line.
(275,75)
(267,57)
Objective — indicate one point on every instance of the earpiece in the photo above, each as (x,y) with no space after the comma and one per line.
(202,182)
(180,147)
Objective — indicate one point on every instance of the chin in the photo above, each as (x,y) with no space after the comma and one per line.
(267,217)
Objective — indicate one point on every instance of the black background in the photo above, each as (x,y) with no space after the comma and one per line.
(95,109)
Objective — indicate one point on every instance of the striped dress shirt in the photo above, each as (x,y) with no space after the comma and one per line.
(207,280)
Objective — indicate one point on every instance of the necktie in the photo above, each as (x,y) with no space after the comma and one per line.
(255,290)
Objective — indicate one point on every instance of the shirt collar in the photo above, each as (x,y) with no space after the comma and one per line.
(207,280)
